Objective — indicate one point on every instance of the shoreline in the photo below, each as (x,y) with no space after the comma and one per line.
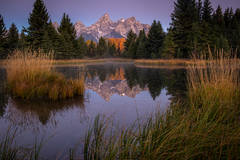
(138,62)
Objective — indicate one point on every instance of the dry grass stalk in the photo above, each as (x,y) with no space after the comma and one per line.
(30,75)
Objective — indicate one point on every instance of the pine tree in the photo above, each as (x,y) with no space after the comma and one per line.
(199,10)
(202,30)
(101,47)
(235,32)
(132,50)
(155,39)
(112,51)
(91,49)
(38,21)
(207,11)
(228,17)
(141,41)
(218,20)
(82,47)
(22,40)
(129,44)
(3,40)
(169,47)
(183,18)
(68,40)
(12,38)
(219,38)
(51,39)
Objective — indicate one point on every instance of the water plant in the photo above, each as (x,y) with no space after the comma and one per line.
(204,127)
(30,75)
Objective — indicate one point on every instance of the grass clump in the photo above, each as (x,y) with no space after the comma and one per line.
(30,75)
(207,126)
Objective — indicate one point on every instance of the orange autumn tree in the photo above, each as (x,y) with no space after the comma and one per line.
(118,42)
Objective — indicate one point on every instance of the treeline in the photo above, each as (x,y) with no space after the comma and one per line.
(41,34)
(195,28)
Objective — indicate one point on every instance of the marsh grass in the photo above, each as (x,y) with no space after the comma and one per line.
(205,127)
(8,150)
(179,62)
(90,61)
(30,75)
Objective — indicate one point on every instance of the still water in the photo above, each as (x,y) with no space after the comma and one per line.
(122,92)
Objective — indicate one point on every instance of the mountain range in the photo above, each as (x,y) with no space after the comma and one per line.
(108,88)
(106,28)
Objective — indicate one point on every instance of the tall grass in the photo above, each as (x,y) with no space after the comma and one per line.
(8,150)
(30,75)
(205,127)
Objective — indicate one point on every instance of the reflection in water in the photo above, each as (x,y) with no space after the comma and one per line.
(128,80)
(120,90)
(3,94)
(34,114)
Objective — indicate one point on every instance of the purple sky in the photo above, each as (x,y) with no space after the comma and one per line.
(89,11)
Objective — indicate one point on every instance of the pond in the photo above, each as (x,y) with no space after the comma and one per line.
(122,92)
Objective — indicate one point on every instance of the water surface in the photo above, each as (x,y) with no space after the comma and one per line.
(120,91)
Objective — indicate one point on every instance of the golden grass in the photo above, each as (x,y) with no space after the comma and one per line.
(30,75)
(205,127)
(214,81)
(175,62)
(183,62)
(85,61)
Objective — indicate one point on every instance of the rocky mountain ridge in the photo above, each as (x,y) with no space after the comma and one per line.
(106,28)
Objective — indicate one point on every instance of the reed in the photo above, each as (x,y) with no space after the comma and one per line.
(86,61)
(205,127)
(8,150)
(181,62)
(30,75)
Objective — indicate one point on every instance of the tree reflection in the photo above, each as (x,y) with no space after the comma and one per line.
(3,93)
(27,114)
(155,79)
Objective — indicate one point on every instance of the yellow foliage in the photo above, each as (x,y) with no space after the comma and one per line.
(118,42)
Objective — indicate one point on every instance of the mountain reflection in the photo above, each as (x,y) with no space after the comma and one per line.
(106,80)
(129,80)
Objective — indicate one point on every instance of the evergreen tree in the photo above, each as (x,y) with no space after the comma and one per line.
(199,10)
(228,17)
(207,11)
(112,49)
(229,28)
(219,38)
(183,18)
(141,41)
(22,43)
(3,40)
(38,21)
(129,44)
(169,47)
(92,49)
(236,32)
(12,38)
(51,40)
(155,39)
(132,50)
(218,21)
(69,45)
(82,47)
(101,47)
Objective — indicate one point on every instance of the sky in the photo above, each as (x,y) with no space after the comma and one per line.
(89,11)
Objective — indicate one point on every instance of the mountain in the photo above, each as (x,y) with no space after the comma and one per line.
(108,88)
(106,28)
